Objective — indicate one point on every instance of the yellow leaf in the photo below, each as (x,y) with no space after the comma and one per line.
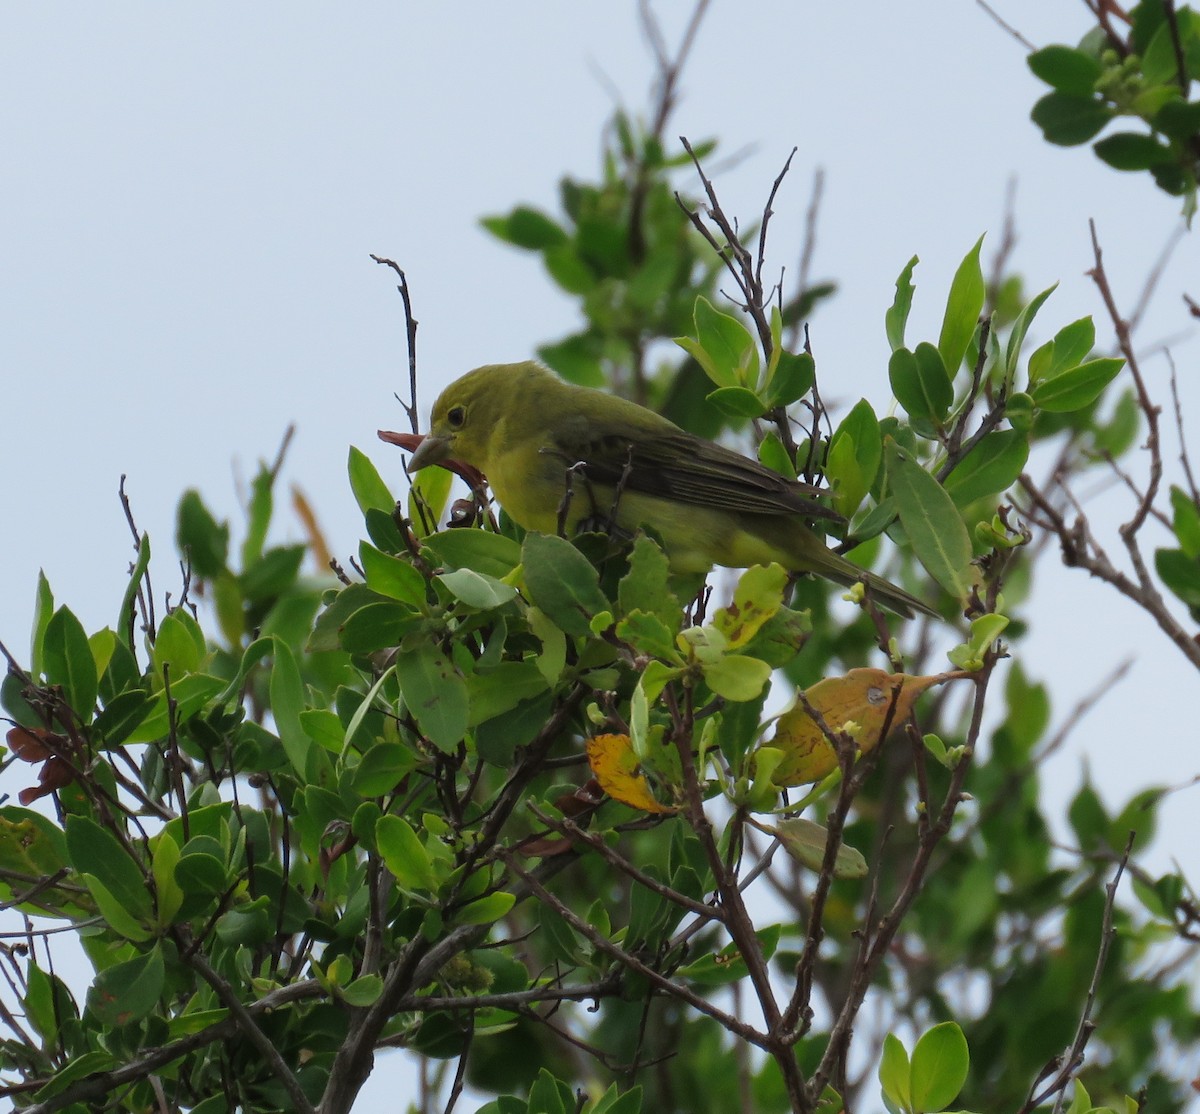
(861,703)
(616,768)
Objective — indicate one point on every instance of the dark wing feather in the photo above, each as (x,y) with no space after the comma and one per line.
(677,465)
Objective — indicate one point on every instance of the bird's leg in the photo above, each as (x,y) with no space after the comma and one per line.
(619,490)
(564,505)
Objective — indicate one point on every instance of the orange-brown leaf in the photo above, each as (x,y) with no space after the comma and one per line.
(617,770)
(862,702)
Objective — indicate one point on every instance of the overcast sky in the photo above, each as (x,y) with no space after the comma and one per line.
(190,195)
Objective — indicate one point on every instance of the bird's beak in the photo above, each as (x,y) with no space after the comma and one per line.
(432,450)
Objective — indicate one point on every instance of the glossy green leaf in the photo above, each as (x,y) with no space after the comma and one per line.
(1132,151)
(404,855)
(805,841)
(382,768)
(1016,336)
(502,688)
(893,1073)
(436,695)
(476,589)
(179,648)
(855,453)
(127,992)
(485,552)
(1068,119)
(1068,70)
(963,307)
(920,382)
(562,582)
(991,467)
(1180,573)
(94,850)
(896,318)
(736,677)
(287,701)
(726,349)
(370,492)
(392,576)
(934,527)
(69,663)
(198,535)
(939,1067)
(737,402)
(526,228)
(1076,387)
(485,910)
(1185,521)
(794,376)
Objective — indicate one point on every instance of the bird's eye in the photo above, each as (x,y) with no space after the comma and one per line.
(456,416)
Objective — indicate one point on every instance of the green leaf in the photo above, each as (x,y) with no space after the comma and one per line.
(485,910)
(1066,69)
(805,841)
(167,891)
(1180,573)
(1132,151)
(1185,521)
(855,453)
(1016,337)
(377,626)
(96,851)
(502,688)
(939,1067)
(369,489)
(920,383)
(404,855)
(935,528)
(758,596)
(125,621)
(737,402)
(1076,387)
(526,228)
(963,308)
(69,663)
(723,347)
(198,535)
(258,516)
(179,648)
(436,695)
(476,589)
(896,318)
(43,609)
(991,467)
(428,492)
(1068,347)
(127,992)
(287,701)
(363,991)
(893,1073)
(392,576)
(273,574)
(485,552)
(1068,119)
(794,376)
(562,582)
(736,677)
(646,586)
(382,768)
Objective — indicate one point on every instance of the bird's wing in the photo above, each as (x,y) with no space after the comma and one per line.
(681,467)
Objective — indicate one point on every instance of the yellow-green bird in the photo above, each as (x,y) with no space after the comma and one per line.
(533,436)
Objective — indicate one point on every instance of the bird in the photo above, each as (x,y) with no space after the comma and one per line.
(558,456)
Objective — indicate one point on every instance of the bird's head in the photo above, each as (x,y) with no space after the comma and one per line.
(468,418)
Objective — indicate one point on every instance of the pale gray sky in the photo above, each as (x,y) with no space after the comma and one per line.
(190,194)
